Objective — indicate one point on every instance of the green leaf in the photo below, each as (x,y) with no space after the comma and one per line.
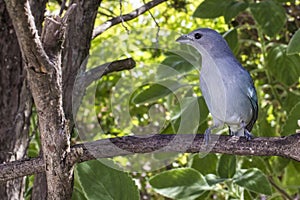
(226,166)
(291,179)
(291,124)
(211,8)
(203,110)
(183,183)
(212,179)
(264,127)
(254,180)
(296,164)
(255,162)
(233,9)
(204,195)
(269,15)
(188,117)
(284,68)
(174,65)
(169,129)
(249,195)
(203,117)
(278,164)
(99,181)
(231,37)
(294,44)
(205,165)
(77,193)
(216,8)
(290,101)
(155,91)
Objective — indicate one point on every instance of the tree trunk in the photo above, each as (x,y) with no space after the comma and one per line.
(76,48)
(39,191)
(15,104)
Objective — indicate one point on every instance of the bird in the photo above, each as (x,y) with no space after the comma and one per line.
(226,85)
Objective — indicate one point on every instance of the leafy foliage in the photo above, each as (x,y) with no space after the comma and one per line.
(269,15)
(265,37)
(184,183)
(293,47)
(188,183)
(285,68)
(254,180)
(216,8)
(226,166)
(96,180)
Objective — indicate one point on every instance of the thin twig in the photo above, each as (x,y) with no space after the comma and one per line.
(114,21)
(121,16)
(280,190)
(62,7)
(104,14)
(112,14)
(158,28)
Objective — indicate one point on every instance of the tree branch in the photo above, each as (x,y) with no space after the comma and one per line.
(21,168)
(31,46)
(127,17)
(288,147)
(85,79)
(77,43)
(97,72)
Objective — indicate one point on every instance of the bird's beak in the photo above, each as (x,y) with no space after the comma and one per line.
(183,39)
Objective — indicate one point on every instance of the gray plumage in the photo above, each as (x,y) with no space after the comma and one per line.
(226,86)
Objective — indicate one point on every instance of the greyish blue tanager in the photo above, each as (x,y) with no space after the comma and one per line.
(226,86)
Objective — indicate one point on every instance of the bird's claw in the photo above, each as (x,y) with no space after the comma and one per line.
(207,136)
(248,135)
(230,132)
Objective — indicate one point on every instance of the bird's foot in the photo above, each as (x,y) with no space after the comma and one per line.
(231,133)
(207,135)
(248,135)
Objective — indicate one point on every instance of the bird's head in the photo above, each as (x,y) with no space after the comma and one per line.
(207,38)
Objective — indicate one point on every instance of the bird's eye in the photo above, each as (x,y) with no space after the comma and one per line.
(198,36)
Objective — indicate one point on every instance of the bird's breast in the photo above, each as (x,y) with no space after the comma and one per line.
(222,92)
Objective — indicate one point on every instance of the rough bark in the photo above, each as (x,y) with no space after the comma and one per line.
(288,147)
(15,104)
(42,59)
(26,167)
(76,47)
(47,92)
(39,191)
(38,9)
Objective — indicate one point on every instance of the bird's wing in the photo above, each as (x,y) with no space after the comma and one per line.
(247,87)
(251,93)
